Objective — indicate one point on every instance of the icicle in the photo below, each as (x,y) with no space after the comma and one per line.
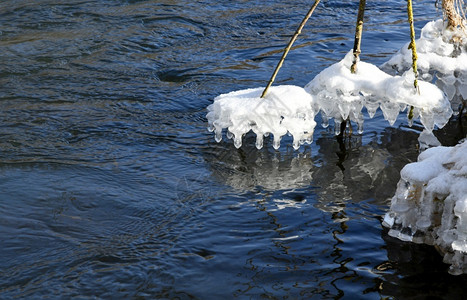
(450,91)
(210,127)
(371,107)
(296,144)
(423,223)
(238,141)
(463,90)
(276,142)
(430,203)
(259,141)
(284,110)
(360,121)
(390,111)
(337,126)
(325,120)
(340,93)
(427,120)
(218,134)
(356,109)
(344,109)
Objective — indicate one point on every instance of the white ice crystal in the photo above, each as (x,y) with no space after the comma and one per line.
(341,94)
(284,109)
(427,140)
(430,204)
(441,53)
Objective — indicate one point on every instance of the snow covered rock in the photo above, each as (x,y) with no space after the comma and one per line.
(430,204)
(340,94)
(284,109)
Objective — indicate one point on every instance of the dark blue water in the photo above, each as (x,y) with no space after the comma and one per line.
(112,188)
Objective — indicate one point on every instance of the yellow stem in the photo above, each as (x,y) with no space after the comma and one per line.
(358,36)
(412,44)
(287,49)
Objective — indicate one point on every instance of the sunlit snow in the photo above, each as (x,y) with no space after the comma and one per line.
(442,54)
(430,204)
(284,109)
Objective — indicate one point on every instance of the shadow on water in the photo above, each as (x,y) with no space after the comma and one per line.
(416,271)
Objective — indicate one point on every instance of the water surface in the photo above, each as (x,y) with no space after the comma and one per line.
(111,186)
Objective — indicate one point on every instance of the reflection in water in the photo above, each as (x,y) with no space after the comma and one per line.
(339,170)
(454,131)
(341,173)
(248,168)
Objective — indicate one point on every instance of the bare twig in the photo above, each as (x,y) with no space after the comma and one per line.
(287,49)
(358,35)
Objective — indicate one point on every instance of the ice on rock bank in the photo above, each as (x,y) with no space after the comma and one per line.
(442,54)
(430,204)
(341,94)
(284,109)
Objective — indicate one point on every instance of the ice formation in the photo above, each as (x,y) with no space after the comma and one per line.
(284,109)
(442,54)
(335,91)
(341,94)
(427,140)
(430,204)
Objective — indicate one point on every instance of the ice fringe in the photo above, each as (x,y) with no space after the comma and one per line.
(430,204)
(341,94)
(336,92)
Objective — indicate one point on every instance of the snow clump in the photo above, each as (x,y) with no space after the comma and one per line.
(341,94)
(442,55)
(284,109)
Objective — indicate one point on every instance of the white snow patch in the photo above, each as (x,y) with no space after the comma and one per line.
(284,109)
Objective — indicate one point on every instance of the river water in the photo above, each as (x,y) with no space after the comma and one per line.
(112,188)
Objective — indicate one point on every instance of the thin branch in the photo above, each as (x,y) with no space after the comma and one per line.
(287,49)
(358,35)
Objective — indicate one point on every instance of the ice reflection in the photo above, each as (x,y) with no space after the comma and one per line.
(319,210)
(299,260)
(248,168)
(340,169)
